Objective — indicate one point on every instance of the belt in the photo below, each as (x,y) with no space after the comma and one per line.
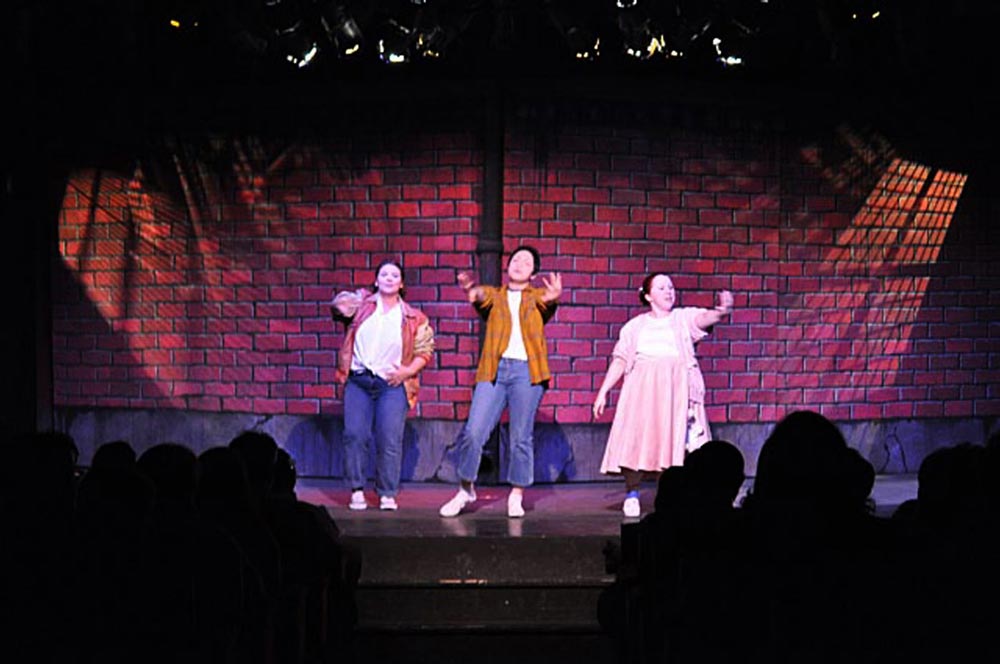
(362,372)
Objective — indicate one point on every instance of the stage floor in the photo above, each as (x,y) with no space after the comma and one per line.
(591,508)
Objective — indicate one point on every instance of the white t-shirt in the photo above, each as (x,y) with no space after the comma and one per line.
(378,343)
(515,347)
(657,338)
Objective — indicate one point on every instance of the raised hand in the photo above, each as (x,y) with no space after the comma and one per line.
(468,284)
(466,280)
(553,286)
(725,302)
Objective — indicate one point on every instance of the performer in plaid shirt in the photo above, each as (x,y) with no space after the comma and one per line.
(513,373)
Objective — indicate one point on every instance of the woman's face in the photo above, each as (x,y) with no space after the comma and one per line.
(661,293)
(388,280)
(521,266)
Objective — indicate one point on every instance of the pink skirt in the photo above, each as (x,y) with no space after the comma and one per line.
(650,429)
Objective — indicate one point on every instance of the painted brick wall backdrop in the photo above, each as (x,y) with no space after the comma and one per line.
(195,274)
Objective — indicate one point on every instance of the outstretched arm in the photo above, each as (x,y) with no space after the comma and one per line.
(615,371)
(710,317)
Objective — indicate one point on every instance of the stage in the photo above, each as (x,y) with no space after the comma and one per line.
(581,508)
(484,585)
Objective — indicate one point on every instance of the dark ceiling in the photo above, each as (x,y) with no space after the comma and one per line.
(122,61)
(892,42)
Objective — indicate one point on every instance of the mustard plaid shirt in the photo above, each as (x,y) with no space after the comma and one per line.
(534,313)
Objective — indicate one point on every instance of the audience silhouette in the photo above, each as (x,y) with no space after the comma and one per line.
(169,557)
(803,570)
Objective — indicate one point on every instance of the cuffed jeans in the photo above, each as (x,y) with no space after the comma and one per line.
(512,387)
(371,405)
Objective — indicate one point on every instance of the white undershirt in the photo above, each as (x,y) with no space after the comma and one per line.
(515,347)
(378,343)
(657,338)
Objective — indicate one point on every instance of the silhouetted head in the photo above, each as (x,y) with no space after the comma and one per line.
(222,477)
(284,472)
(42,465)
(257,449)
(991,471)
(114,499)
(860,477)
(173,469)
(670,489)
(715,471)
(804,459)
(950,484)
(116,455)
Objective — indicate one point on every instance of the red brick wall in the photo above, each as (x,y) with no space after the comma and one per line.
(198,277)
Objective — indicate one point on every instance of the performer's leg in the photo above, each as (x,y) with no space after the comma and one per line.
(390,422)
(631,507)
(359,411)
(633,478)
(524,399)
(488,402)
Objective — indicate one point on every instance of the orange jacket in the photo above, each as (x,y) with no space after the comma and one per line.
(353,308)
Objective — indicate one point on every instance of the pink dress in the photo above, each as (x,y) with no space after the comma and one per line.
(661,410)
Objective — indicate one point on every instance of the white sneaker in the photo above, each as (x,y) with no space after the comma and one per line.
(387,503)
(515,510)
(631,507)
(454,506)
(358,501)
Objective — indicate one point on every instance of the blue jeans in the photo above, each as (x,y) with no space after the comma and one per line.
(372,406)
(512,387)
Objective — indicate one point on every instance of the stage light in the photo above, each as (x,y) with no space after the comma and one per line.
(342,30)
(576,29)
(292,40)
(430,42)
(181,15)
(864,9)
(436,25)
(395,43)
(640,38)
(730,44)
(295,47)
(583,44)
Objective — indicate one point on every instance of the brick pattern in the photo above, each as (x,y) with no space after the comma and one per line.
(861,289)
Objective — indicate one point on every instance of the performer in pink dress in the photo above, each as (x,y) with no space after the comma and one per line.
(661,409)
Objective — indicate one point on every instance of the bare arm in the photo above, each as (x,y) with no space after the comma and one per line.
(615,371)
(710,317)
